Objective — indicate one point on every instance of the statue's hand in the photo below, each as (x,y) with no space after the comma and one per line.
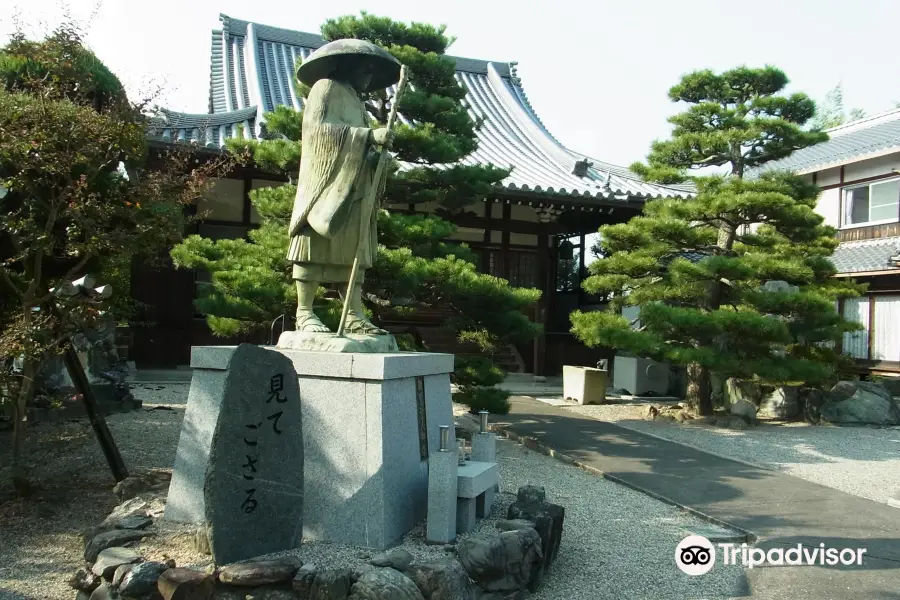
(383,136)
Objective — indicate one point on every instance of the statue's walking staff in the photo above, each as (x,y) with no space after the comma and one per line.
(370,200)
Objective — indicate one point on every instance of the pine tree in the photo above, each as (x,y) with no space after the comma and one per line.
(698,267)
(832,113)
(415,266)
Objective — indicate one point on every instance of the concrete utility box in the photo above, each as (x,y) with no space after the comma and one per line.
(640,376)
(586,385)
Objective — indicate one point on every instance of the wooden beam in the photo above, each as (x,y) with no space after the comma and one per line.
(507,219)
(498,224)
(869,273)
(858,181)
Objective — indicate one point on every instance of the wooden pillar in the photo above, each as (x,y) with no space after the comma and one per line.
(580,269)
(504,269)
(871,326)
(546,286)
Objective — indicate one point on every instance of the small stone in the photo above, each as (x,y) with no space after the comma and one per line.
(514,524)
(120,574)
(136,507)
(261,572)
(199,540)
(84,581)
(185,584)
(398,558)
(142,579)
(135,522)
(531,494)
(385,584)
(651,412)
(111,559)
(108,539)
(449,548)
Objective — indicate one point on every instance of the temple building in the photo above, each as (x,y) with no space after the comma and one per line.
(531,231)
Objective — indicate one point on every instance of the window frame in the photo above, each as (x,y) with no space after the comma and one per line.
(869,184)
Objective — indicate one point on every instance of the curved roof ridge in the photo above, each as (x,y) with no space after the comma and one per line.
(180,120)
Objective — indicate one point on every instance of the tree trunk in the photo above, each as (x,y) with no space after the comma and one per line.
(699,391)
(20,425)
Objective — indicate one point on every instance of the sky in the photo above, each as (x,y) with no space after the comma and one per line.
(597,72)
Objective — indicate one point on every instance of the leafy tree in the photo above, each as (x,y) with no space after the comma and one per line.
(831,112)
(697,267)
(415,266)
(75,193)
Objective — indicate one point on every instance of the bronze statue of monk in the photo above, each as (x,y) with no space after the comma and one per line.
(330,222)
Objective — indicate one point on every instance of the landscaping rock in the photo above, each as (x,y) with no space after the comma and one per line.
(547,519)
(103,592)
(111,559)
(82,595)
(185,584)
(651,412)
(514,524)
(108,539)
(136,507)
(384,584)
(860,403)
(735,422)
(268,593)
(135,522)
(780,403)
(142,579)
(151,480)
(811,401)
(500,562)
(199,540)
(261,572)
(120,574)
(311,583)
(531,494)
(744,409)
(398,558)
(85,581)
(445,579)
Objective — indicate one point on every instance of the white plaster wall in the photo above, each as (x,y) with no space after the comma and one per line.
(883,165)
(523,239)
(522,213)
(467,234)
(828,177)
(829,206)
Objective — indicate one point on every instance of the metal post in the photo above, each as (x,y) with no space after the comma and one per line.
(445,438)
(483,414)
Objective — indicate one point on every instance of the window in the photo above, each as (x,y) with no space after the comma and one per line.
(872,203)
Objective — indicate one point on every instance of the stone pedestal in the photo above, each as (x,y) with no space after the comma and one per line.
(370,421)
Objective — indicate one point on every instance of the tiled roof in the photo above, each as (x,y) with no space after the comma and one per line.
(252,71)
(866,255)
(859,140)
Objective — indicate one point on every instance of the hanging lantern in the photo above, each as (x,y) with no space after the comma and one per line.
(566,250)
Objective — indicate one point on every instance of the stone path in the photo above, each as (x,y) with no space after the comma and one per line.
(779,509)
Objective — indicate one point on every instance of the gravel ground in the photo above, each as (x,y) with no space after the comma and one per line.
(858,460)
(617,543)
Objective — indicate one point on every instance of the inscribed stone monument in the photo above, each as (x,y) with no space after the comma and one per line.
(253,488)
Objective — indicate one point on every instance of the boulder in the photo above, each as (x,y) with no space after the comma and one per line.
(135,522)
(547,519)
(142,579)
(502,561)
(445,579)
(111,559)
(735,422)
(744,409)
(531,494)
(384,584)
(398,558)
(109,539)
(103,592)
(154,481)
(120,574)
(185,584)
(261,572)
(860,403)
(780,403)
(811,401)
(514,524)
(311,583)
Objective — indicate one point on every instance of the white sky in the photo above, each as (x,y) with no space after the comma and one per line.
(596,71)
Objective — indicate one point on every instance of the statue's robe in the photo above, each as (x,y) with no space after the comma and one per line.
(336,177)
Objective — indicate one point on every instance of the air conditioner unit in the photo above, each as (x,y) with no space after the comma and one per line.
(640,375)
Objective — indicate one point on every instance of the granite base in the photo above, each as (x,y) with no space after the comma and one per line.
(365,470)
